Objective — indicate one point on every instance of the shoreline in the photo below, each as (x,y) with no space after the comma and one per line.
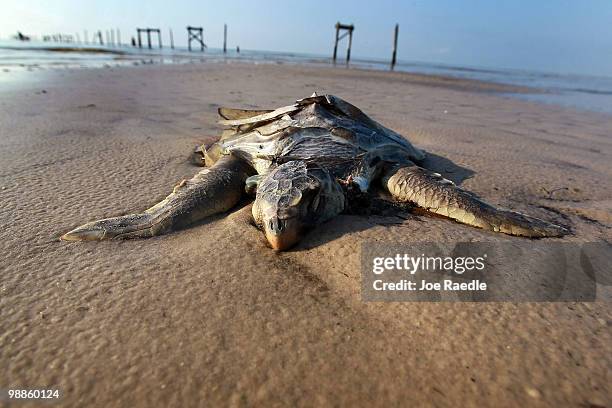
(444,81)
(586,93)
(30,77)
(84,50)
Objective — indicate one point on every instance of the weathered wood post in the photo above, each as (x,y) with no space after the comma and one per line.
(85,40)
(139,40)
(171,39)
(348,31)
(118,38)
(394,54)
(149,38)
(112,37)
(348,50)
(224,38)
(159,37)
(100,37)
(195,34)
(336,42)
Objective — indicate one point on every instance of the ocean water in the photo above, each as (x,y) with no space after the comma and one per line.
(584,92)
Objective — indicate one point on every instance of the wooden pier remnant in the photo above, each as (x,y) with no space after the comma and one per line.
(196,34)
(224,38)
(149,31)
(171,39)
(394,53)
(348,28)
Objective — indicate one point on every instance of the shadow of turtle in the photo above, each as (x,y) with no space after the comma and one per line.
(330,231)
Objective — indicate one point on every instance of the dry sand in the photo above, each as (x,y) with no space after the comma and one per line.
(210,316)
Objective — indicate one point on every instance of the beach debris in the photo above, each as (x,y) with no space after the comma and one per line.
(553,191)
(532,392)
(304,164)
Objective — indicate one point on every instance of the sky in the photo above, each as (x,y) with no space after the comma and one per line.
(561,36)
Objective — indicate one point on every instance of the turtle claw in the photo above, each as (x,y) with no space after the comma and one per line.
(514,223)
(83,233)
(128,226)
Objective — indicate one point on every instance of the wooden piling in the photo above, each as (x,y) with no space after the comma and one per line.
(149,31)
(118,38)
(195,34)
(394,54)
(336,41)
(348,31)
(85,40)
(224,38)
(348,50)
(171,39)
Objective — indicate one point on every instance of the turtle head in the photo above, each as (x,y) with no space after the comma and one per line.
(293,198)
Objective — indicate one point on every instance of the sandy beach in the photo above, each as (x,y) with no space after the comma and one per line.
(209,316)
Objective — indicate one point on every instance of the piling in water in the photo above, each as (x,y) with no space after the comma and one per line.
(348,30)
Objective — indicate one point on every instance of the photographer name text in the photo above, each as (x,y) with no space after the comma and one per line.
(424,285)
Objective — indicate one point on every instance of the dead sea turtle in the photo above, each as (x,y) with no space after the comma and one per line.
(300,161)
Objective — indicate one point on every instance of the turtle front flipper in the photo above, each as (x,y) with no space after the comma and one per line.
(438,195)
(210,191)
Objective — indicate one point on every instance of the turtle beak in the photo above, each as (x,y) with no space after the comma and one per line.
(282,234)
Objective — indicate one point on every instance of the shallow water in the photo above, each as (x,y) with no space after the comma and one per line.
(578,91)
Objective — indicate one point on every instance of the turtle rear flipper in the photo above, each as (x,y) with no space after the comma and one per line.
(234,114)
(211,191)
(438,195)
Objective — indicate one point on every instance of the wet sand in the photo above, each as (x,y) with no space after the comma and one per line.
(209,315)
